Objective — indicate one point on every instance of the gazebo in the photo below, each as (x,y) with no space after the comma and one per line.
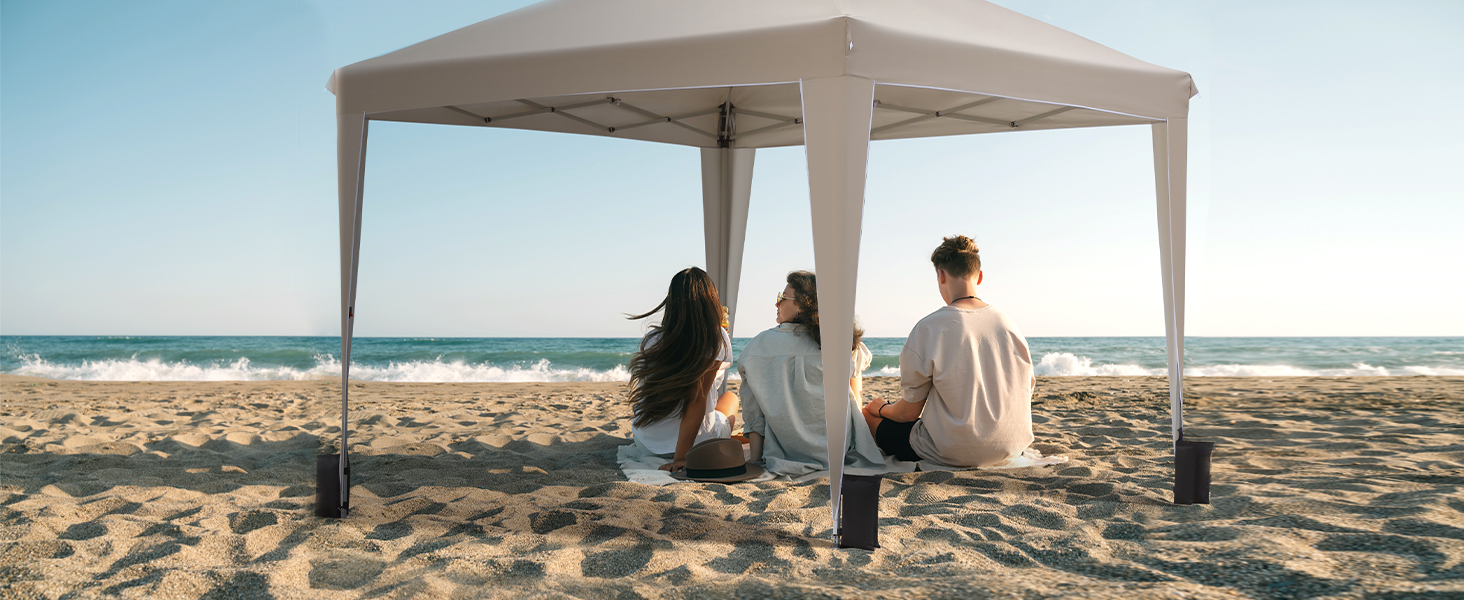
(730,78)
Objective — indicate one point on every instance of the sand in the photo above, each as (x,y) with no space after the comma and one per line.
(1323,487)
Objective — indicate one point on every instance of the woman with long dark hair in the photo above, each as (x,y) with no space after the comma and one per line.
(783,391)
(675,376)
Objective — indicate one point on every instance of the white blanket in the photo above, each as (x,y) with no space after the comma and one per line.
(641,466)
(1030,457)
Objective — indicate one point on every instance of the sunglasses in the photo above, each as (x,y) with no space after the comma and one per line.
(780,299)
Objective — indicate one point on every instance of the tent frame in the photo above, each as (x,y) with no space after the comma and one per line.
(837,149)
(604,71)
(727,108)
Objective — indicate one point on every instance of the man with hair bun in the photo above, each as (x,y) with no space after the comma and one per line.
(966,376)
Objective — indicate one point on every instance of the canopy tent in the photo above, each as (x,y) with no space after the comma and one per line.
(730,78)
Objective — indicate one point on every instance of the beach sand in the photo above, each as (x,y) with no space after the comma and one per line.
(1323,487)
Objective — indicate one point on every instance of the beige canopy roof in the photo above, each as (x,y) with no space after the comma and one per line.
(731,77)
(659,71)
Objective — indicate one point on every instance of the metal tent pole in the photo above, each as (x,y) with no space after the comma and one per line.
(351,171)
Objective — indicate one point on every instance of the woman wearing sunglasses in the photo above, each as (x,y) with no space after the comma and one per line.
(675,376)
(783,394)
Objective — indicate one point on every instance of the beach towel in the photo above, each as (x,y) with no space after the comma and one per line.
(1030,457)
(640,466)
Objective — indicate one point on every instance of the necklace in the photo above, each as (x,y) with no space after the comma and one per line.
(963,298)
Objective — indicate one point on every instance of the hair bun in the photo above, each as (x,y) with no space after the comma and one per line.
(962,243)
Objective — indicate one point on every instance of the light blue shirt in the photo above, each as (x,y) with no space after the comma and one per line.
(783,399)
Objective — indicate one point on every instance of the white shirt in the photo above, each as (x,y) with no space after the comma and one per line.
(660,437)
(973,370)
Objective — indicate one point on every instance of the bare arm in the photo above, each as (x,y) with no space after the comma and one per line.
(915,385)
(904,412)
(691,420)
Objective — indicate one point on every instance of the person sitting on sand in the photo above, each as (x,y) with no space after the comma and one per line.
(675,376)
(783,391)
(966,374)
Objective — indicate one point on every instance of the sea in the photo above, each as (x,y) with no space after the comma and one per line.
(258,358)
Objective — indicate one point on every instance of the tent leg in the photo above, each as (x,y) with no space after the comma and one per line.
(726,189)
(351,172)
(1170,145)
(836,119)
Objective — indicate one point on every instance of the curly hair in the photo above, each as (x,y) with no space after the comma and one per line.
(665,375)
(805,295)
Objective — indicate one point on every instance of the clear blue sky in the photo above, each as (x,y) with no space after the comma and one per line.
(167,168)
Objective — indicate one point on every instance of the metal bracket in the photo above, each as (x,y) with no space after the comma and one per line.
(726,123)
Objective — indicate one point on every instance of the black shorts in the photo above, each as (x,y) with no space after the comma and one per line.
(893,438)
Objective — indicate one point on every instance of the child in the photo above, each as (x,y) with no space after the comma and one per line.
(675,376)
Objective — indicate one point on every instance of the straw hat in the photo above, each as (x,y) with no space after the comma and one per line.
(718,460)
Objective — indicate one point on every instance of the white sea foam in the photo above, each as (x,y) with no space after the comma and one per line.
(457,371)
(1068,364)
(327,367)
(1357,370)
(132,369)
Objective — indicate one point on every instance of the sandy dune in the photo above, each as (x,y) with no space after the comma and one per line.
(1323,487)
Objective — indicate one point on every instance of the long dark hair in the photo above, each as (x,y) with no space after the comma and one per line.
(805,295)
(666,374)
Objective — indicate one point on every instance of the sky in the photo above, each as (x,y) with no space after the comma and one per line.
(168,168)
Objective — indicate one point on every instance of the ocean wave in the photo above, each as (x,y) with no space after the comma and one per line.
(1357,370)
(1059,364)
(461,372)
(1066,364)
(132,369)
(888,371)
(326,367)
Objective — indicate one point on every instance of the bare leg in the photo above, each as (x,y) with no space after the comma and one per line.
(728,405)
